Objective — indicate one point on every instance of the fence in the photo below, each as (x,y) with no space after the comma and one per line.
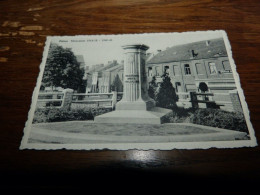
(226,101)
(183,95)
(47,99)
(105,100)
(195,100)
(72,100)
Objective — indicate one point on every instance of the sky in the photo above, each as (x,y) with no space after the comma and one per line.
(99,49)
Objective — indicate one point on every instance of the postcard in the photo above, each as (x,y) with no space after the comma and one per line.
(159,91)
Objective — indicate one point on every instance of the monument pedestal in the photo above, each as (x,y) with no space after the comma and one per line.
(152,116)
(136,106)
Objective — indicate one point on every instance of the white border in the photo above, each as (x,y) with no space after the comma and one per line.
(140,146)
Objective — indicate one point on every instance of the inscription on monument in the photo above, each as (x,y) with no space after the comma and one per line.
(132,78)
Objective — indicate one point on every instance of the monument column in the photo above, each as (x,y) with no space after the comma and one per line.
(136,106)
(135,80)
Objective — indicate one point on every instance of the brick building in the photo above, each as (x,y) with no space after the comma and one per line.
(191,65)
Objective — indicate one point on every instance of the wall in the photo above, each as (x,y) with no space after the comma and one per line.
(219,83)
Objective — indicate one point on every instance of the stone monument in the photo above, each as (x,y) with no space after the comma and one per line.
(136,106)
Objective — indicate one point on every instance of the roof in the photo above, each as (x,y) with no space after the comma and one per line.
(117,67)
(104,68)
(95,68)
(197,50)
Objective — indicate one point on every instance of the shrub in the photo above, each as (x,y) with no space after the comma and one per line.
(208,117)
(179,115)
(42,115)
(220,118)
(166,96)
(152,90)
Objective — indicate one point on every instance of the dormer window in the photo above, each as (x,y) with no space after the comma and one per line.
(194,54)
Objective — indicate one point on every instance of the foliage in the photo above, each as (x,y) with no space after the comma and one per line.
(220,118)
(203,87)
(117,84)
(166,96)
(179,115)
(152,88)
(62,69)
(208,117)
(52,114)
(82,86)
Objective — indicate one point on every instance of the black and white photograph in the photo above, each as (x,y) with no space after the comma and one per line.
(158,91)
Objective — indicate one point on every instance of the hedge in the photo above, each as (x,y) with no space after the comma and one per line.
(220,118)
(208,117)
(52,114)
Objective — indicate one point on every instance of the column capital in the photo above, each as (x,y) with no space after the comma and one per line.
(136,46)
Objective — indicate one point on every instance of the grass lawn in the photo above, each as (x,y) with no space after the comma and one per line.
(88,132)
(123,129)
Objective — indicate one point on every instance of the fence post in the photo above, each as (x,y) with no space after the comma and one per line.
(114,99)
(235,101)
(193,99)
(67,98)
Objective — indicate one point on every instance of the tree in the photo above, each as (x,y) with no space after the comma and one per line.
(203,87)
(152,88)
(62,69)
(166,96)
(117,84)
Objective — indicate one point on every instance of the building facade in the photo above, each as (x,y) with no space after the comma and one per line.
(106,78)
(200,72)
(193,65)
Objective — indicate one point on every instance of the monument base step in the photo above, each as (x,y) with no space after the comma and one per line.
(136,105)
(153,116)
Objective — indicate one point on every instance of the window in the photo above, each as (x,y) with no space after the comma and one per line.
(212,68)
(166,69)
(226,66)
(150,72)
(176,70)
(187,69)
(157,71)
(178,86)
(199,68)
